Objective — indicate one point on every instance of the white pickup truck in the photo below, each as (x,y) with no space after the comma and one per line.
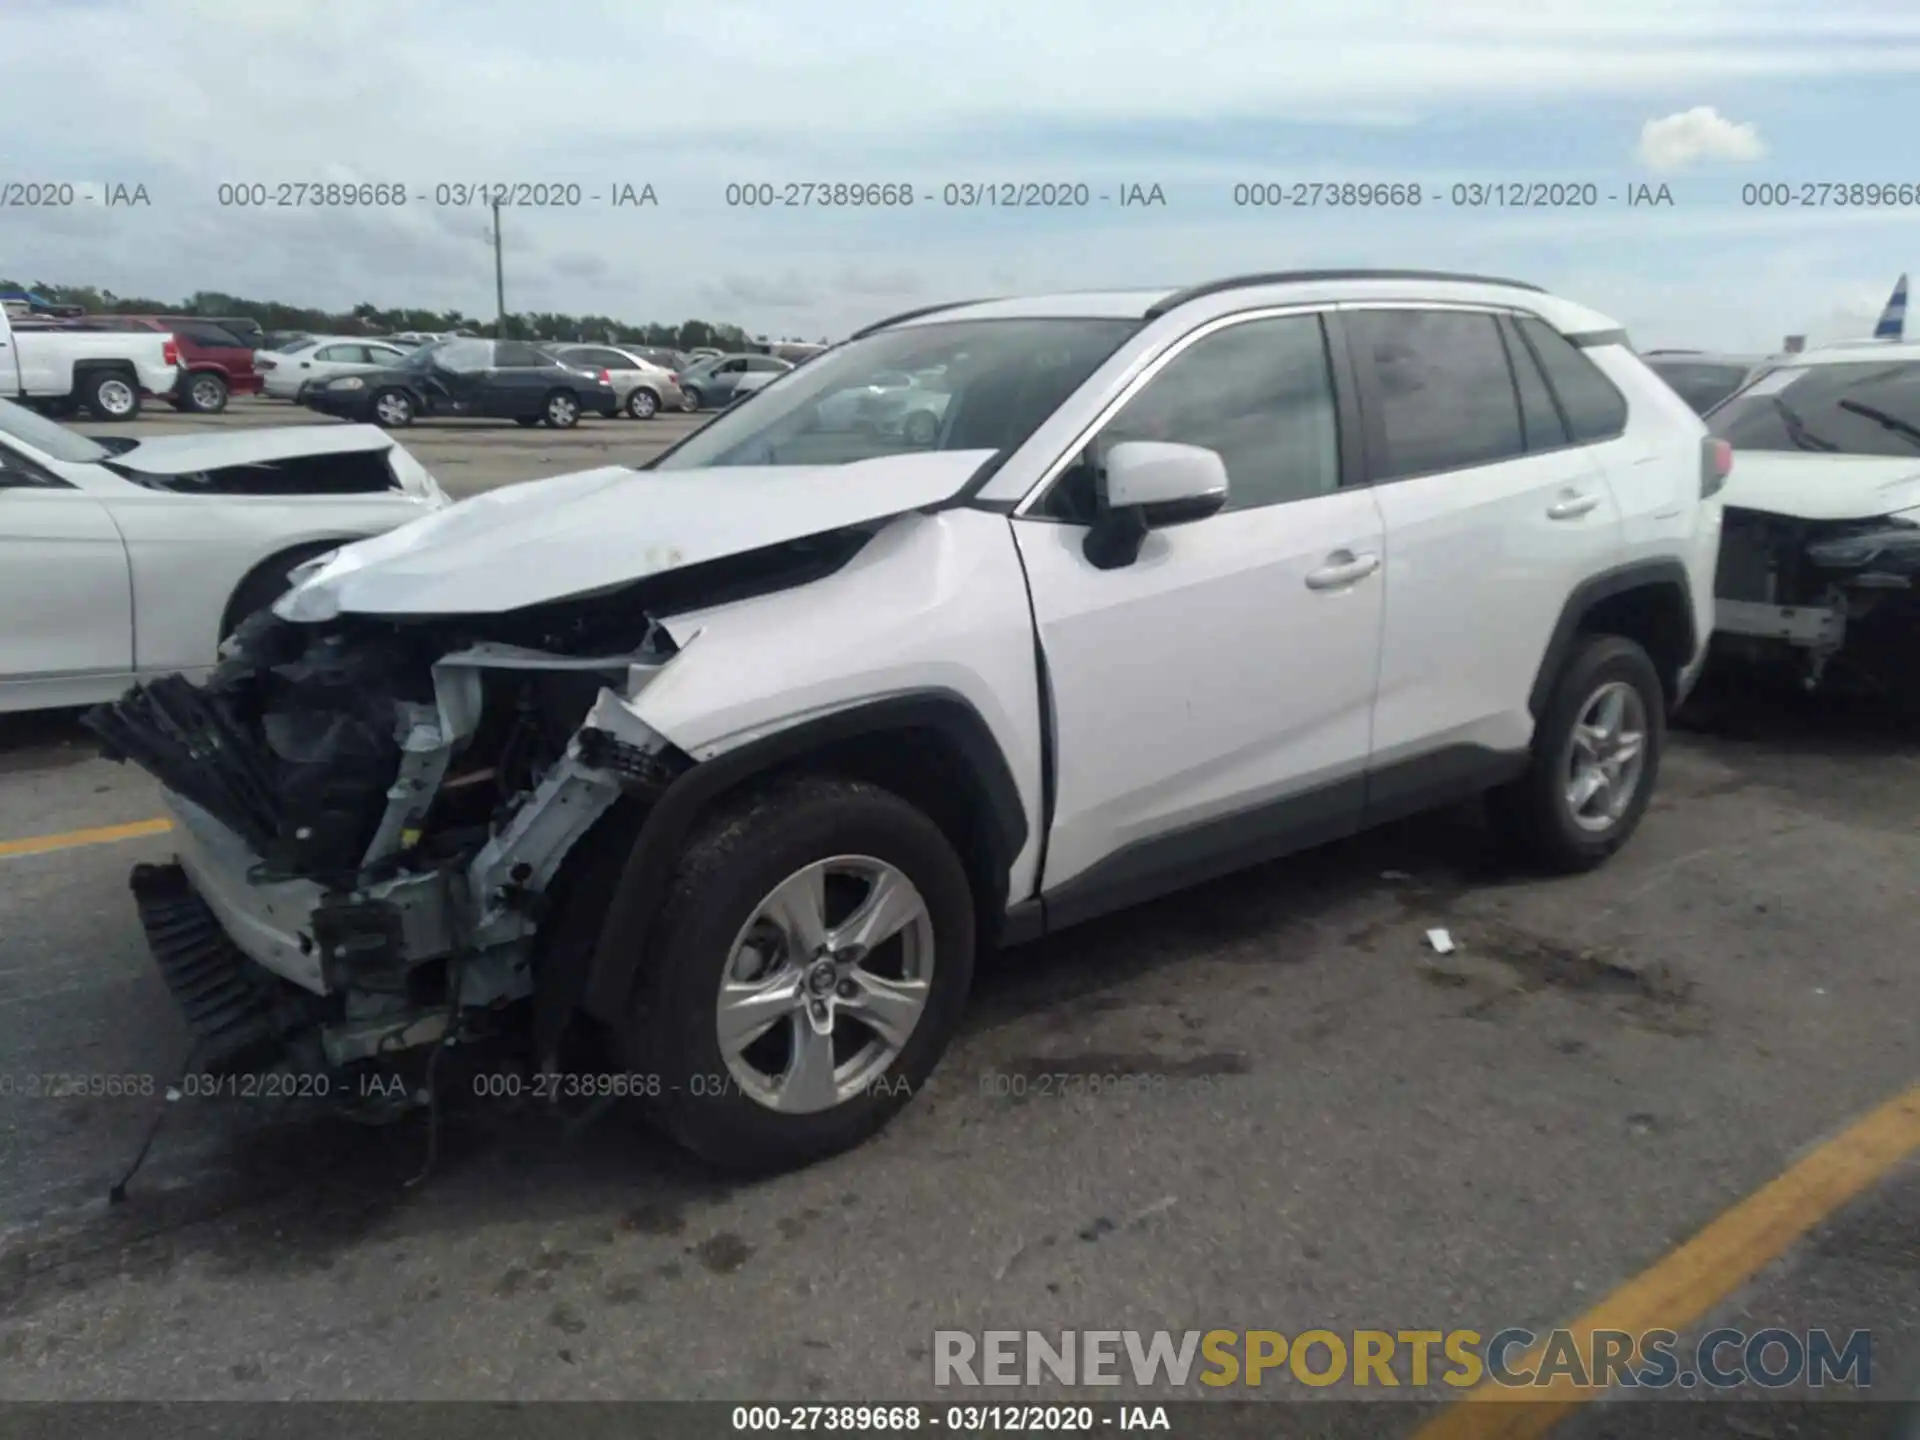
(107,372)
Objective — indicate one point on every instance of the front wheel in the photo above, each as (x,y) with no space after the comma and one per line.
(805,975)
(1595,758)
(392,409)
(562,411)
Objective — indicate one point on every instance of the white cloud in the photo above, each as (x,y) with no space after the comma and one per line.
(1684,139)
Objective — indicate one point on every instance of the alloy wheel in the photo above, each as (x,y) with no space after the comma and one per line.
(825,983)
(1606,756)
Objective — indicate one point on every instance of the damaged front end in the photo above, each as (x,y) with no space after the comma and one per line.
(370,817)
(1821,604)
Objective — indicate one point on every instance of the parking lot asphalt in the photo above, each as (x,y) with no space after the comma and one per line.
(465,456)
(1342,1129)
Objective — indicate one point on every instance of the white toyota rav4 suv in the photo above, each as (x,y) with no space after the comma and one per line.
(724,769)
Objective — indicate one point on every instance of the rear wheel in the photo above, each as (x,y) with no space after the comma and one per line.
(807,971)
(1595,759)
(643,404)
(562,411)
(109,395)
(206,394)
(691,399)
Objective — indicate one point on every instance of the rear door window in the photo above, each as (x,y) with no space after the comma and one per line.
(1443,387)
(1540,420)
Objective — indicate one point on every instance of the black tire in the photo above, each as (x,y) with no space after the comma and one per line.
(735,859)
(267,583)
(391,409)
(691,399)
(205,393)
(110,395)
(526,422)
(1532,817)
(560,410)
(642,403)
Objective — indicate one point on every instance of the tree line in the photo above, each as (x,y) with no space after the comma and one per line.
(368,319)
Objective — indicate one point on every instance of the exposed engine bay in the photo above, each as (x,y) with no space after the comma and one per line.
(374,818)
(1821,604)
(370,813)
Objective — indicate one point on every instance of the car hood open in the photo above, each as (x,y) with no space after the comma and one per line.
(577,534)
(217,449)
(1810,486)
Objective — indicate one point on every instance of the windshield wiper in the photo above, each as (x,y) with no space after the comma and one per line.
(1907,432)
(1797,430)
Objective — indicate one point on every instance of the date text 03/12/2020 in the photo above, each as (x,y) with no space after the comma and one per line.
(957,1419)
(949,195)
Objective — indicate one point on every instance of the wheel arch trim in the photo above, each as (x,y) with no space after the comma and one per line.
(620,952)
(1652,574)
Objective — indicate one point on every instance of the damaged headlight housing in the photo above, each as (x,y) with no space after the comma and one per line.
(1891,544)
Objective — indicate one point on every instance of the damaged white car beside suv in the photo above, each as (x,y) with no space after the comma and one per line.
(711,778)
(1819,578)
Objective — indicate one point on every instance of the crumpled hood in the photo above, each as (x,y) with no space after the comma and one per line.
(1808,486)
(214,449)
(575,534)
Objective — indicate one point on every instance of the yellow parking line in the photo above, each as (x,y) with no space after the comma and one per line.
(1690,1281)
(99,835)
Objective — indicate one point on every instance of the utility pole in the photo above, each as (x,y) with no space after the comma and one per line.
(499,279)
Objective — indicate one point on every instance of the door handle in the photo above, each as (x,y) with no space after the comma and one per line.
(1572,506)
(1343,567)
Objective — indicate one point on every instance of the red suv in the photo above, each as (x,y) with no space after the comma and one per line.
(214,362)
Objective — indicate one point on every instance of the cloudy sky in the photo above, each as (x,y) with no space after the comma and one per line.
(1707,97)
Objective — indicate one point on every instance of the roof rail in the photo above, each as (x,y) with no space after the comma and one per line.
(1296,277)
(906,315)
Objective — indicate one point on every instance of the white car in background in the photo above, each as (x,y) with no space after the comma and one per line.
(127,558)
(645,389)
(288,373)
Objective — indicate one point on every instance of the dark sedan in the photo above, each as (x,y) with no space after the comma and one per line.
(485,379)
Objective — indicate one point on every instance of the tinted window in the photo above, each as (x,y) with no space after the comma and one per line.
(202,333)
(1446,395)
(1869,408)
(1540,421)
(1260,395)
(517,355)
(598,359)
(1700,384)
(1594,409)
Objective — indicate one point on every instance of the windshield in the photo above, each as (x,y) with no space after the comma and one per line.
(1864,408)
(48,438)
(980,385)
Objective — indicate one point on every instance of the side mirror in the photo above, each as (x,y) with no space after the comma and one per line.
(1146,485)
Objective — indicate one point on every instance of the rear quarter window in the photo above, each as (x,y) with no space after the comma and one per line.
(1593,408)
